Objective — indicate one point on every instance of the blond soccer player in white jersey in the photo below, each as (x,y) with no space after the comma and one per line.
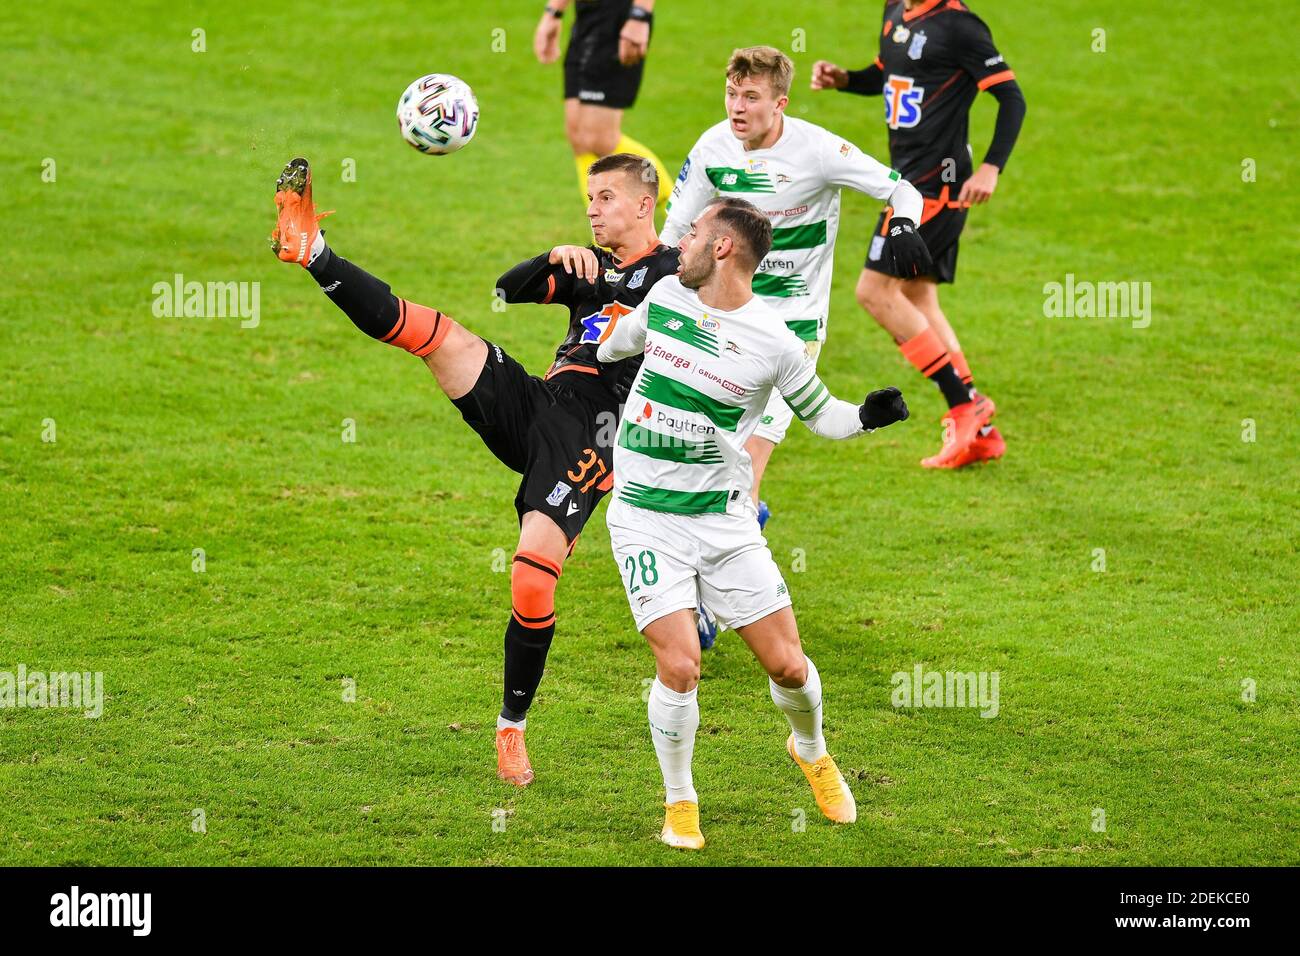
(793,171)
(681,520)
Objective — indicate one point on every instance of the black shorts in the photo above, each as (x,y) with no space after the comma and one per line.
(550,432)
(941,226)
(592,73)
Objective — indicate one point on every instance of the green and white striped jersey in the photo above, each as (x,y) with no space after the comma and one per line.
(704,381)
(797,182)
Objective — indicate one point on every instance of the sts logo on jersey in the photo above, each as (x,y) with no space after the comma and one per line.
(902,102)
(593,326)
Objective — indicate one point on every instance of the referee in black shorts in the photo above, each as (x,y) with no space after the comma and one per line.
(603,67)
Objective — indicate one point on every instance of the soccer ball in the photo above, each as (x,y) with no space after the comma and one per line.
(437,114)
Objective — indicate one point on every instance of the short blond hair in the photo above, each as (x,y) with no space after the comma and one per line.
(765,61)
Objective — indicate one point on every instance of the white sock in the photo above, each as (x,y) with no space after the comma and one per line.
(502,723)
(674,718)
(802,706)
(317,247)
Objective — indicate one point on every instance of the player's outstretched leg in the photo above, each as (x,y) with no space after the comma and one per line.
(454,354)
(674,714)
(534,575)
(796,690)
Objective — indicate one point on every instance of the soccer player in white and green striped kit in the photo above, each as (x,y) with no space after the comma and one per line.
(793,171)
(682,523)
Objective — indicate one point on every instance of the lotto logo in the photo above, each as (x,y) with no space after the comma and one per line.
(902,102)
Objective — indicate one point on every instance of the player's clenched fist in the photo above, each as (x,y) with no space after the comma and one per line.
(907,249)
(577,260)
(828,76)
(883,407)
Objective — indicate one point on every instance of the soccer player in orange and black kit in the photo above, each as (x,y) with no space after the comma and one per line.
(935,57)
(555,430)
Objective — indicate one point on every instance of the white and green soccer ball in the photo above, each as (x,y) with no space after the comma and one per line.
(437,114)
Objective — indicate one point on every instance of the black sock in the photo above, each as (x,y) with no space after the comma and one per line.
(954,392)
(367,301)
(526,649)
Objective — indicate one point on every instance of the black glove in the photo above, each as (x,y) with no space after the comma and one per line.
(883,407)
(907,249)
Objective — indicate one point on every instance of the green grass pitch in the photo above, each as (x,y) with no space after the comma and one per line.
(1125,690)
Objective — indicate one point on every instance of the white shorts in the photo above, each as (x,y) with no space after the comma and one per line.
(778,415)
(668,562)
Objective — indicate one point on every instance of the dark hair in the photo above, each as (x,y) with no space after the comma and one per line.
(745,221)
(636,166)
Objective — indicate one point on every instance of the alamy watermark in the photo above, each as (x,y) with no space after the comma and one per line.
(1098,300)
(179,299)
(38,690)
(130,910)
(922,688)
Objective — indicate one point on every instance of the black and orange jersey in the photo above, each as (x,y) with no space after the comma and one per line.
(934,60)
(618,289)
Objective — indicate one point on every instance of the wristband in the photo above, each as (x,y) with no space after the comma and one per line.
(558,14)
(640,13)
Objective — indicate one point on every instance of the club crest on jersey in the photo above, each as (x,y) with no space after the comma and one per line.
(918,41)
(593,326)
(902,102)
(558,494)
(901,34)
(638,277)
